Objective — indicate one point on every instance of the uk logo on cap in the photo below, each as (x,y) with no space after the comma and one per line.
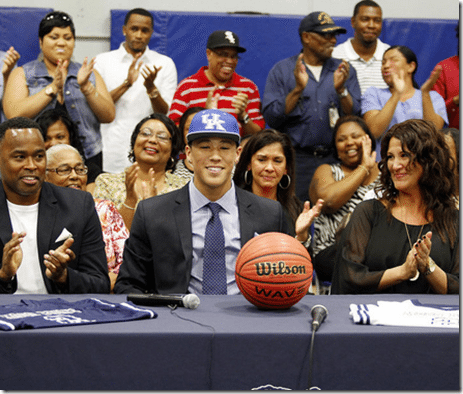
(213,123)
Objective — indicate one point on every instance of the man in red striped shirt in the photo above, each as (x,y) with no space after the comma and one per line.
(217,86)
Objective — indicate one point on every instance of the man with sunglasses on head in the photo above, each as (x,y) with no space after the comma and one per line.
(306,93)
(218,86)
(50,236)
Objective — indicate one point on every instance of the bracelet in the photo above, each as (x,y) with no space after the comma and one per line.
(366,169)
(128,207)
(127,83)
(306,243)
(153,94)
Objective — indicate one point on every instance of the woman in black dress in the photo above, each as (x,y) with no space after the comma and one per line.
(408,241)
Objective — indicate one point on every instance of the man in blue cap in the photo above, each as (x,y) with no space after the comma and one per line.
(187,241)
(306,93)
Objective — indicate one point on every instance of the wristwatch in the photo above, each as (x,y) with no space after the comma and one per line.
(344,93)
(49,91)
(431,267)
(245,119)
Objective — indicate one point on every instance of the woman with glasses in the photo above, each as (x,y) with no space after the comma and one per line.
(66,168)
(155,144)
(55,81)
(58,128)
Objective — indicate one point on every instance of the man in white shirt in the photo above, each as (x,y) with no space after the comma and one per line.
(365,50)
(141,81)
(50,236)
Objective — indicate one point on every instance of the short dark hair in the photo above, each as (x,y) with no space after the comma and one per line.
(365,3)
(352,119)
(184,118)
(55,19)
(138,11)
(19,122)
(51,116)
(175,134)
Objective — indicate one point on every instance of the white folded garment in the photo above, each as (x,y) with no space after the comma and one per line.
(406,313)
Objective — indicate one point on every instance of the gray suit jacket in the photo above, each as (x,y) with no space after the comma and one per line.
(59,208)
(158,253)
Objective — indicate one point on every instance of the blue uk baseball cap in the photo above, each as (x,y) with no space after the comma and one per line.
(213,123)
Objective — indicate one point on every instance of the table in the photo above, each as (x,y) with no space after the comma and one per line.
(228,344)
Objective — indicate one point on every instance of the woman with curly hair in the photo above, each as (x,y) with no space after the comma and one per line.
(408,241)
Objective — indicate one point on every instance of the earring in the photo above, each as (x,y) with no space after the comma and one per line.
(246,178)
(288,182)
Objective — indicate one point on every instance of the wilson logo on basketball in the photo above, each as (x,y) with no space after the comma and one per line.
(280,268)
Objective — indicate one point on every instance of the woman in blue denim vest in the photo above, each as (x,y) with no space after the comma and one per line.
(54,80)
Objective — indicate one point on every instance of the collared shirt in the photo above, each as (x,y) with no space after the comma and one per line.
(193,91)
(134,104)
(37,77)
(308,125)
(376,99)
(448,86)
(229,216)
(368,72)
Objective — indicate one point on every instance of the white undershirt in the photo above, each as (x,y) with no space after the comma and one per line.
(316,71)
(29,275)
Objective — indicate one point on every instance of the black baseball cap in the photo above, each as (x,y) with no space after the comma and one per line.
(319,22)
(224,38)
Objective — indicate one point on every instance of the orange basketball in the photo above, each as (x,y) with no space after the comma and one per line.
(273,271)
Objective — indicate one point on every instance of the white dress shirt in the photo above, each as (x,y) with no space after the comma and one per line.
(134,104)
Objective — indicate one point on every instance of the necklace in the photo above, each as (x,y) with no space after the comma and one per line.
(411,246)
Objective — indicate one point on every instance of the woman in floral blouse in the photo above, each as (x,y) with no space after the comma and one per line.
(155,145)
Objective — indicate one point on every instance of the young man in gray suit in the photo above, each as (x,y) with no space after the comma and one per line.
(165,251)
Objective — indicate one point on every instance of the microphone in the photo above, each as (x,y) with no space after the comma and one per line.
(190,301)
(319,313)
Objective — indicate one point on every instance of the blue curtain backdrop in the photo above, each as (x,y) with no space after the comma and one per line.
(270,38)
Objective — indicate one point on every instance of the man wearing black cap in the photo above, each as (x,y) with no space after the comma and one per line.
(218,86)
(306,93)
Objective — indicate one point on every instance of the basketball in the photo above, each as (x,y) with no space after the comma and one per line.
(273,271)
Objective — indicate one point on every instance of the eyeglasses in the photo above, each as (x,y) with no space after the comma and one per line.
(161,136)
(66,170)
(226,55)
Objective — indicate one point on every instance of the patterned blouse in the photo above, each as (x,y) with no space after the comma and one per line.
(325,225)
(114,233)
(112,186)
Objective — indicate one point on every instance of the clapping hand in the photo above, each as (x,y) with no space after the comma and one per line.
(213,98)
(84,73)
(340,76)
(240,102)
(149,74)
(300,72)
(12,256)
(57,262)
(430,82)
(134,69)
(306,218)
(11,58)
